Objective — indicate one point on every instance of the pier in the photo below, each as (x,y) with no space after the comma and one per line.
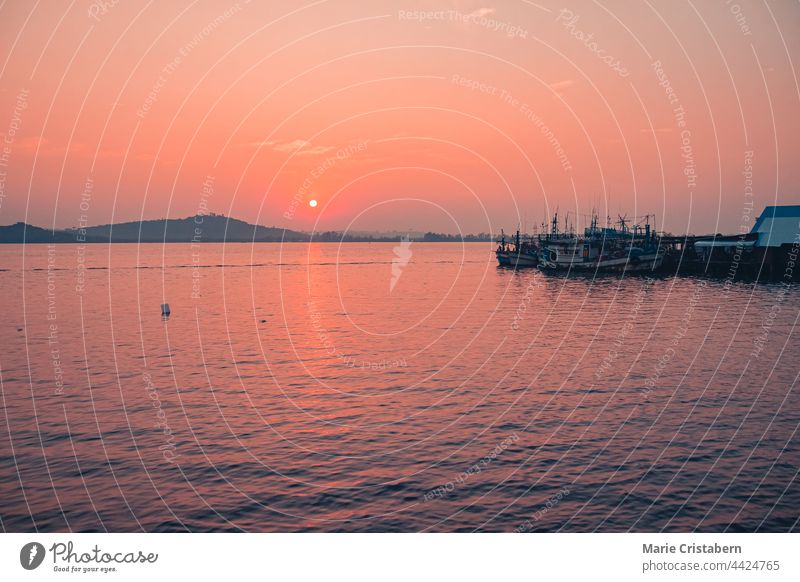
(768,252)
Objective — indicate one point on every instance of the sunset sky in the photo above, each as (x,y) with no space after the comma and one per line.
(455,116)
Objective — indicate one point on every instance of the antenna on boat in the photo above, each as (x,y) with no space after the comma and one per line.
(623,226)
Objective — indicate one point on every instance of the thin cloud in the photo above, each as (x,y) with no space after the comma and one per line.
(562,84)
(291,147)
(299,147)
(481,12)
(315,151)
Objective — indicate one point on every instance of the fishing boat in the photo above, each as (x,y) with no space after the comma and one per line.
(518,252)
(602,249)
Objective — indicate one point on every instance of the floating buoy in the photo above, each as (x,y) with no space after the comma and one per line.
(165,310)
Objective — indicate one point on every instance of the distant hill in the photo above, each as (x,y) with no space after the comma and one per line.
(21,232)
(213,228)
(210,228)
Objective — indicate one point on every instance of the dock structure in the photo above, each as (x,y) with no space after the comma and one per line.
(768,252)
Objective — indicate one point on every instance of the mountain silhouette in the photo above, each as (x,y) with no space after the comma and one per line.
(200,229)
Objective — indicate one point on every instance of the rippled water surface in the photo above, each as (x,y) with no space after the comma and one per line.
(293,389)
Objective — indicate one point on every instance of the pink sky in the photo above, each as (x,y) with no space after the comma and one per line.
(447,116)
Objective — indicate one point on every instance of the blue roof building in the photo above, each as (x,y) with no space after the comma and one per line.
(778,225)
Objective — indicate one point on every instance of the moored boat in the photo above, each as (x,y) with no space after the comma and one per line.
(607,249)
(518,253)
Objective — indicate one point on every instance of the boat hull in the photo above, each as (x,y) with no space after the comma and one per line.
(511,259)
(645,262)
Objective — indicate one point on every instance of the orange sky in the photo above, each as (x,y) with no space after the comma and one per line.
(448,115)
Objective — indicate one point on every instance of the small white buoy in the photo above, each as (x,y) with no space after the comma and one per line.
(165,309)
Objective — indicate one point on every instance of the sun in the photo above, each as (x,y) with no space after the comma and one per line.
(312,203)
